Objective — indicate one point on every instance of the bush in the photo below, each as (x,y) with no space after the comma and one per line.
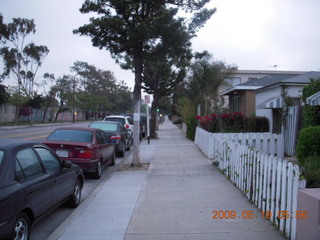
(258,124)
(311,167)
(311,114)
(308,143)
(191,127)
(178,121)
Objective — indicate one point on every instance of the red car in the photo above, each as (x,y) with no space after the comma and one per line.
(87,147)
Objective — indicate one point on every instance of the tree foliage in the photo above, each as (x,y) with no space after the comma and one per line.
(205,78)
(130,29)
(99,90)
(21,60)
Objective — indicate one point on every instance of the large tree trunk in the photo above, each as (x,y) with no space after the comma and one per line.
(154,119)
(137,111)
(17,115)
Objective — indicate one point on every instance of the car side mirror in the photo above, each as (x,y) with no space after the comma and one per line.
(66,164)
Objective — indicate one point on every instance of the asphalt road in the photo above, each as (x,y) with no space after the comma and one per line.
(47,224)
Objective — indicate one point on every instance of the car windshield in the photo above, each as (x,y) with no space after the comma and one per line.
(121,120)
(105,126)
(1,156)
(72,135)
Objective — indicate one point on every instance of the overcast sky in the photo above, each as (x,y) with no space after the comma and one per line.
(253,34)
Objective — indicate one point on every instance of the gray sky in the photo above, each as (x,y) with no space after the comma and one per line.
(253,34)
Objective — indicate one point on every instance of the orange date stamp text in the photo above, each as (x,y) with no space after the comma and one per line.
(249,214)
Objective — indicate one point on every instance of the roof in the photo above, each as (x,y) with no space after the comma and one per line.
(302,79)
(273,79)
(260,82)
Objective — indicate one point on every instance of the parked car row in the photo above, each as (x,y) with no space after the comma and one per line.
(37,177)
(33,180)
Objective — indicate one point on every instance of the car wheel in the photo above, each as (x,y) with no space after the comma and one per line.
(113,160)
(98,171)
(21,227)
(75,199)
(122,149)
(128,145)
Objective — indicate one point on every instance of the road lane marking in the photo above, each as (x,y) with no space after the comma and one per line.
(37,137)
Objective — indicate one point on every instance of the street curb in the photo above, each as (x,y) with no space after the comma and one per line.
(83,205)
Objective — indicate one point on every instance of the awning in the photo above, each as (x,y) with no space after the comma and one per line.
(271,103)
(314,100)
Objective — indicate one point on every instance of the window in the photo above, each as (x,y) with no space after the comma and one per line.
(101,139)
(231,82)
(72,135)
(105,126)
(236,104)
(27,165)
(130,121)
(120,120)
(50,162)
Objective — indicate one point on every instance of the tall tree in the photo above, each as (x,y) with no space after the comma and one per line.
(205,78)
(129,29)
(99,90)
(64,90)
(21,60)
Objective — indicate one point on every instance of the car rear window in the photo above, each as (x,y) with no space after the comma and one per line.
(71,135)
(120,120)
(105,126)
(1,156)
(130,121)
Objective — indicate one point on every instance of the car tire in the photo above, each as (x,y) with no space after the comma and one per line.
(97,174)
(128,145)
(122,149)
(75,199)
(21,228)
(113,160)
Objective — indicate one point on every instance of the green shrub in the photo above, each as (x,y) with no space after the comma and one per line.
(308,143)
(191,127)
(258,124)
(178,121)
(311,167)
(311,114)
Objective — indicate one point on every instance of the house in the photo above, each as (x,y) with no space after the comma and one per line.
(266,97)
(242,97)
(235,87)
(269,99)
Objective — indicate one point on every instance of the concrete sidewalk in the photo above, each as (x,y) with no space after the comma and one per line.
(174,199)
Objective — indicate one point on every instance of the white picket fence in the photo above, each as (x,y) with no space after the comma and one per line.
(269,143)
(271,183)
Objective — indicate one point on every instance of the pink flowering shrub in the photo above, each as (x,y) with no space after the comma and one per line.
(25,111)
(235,122)
(225,122)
